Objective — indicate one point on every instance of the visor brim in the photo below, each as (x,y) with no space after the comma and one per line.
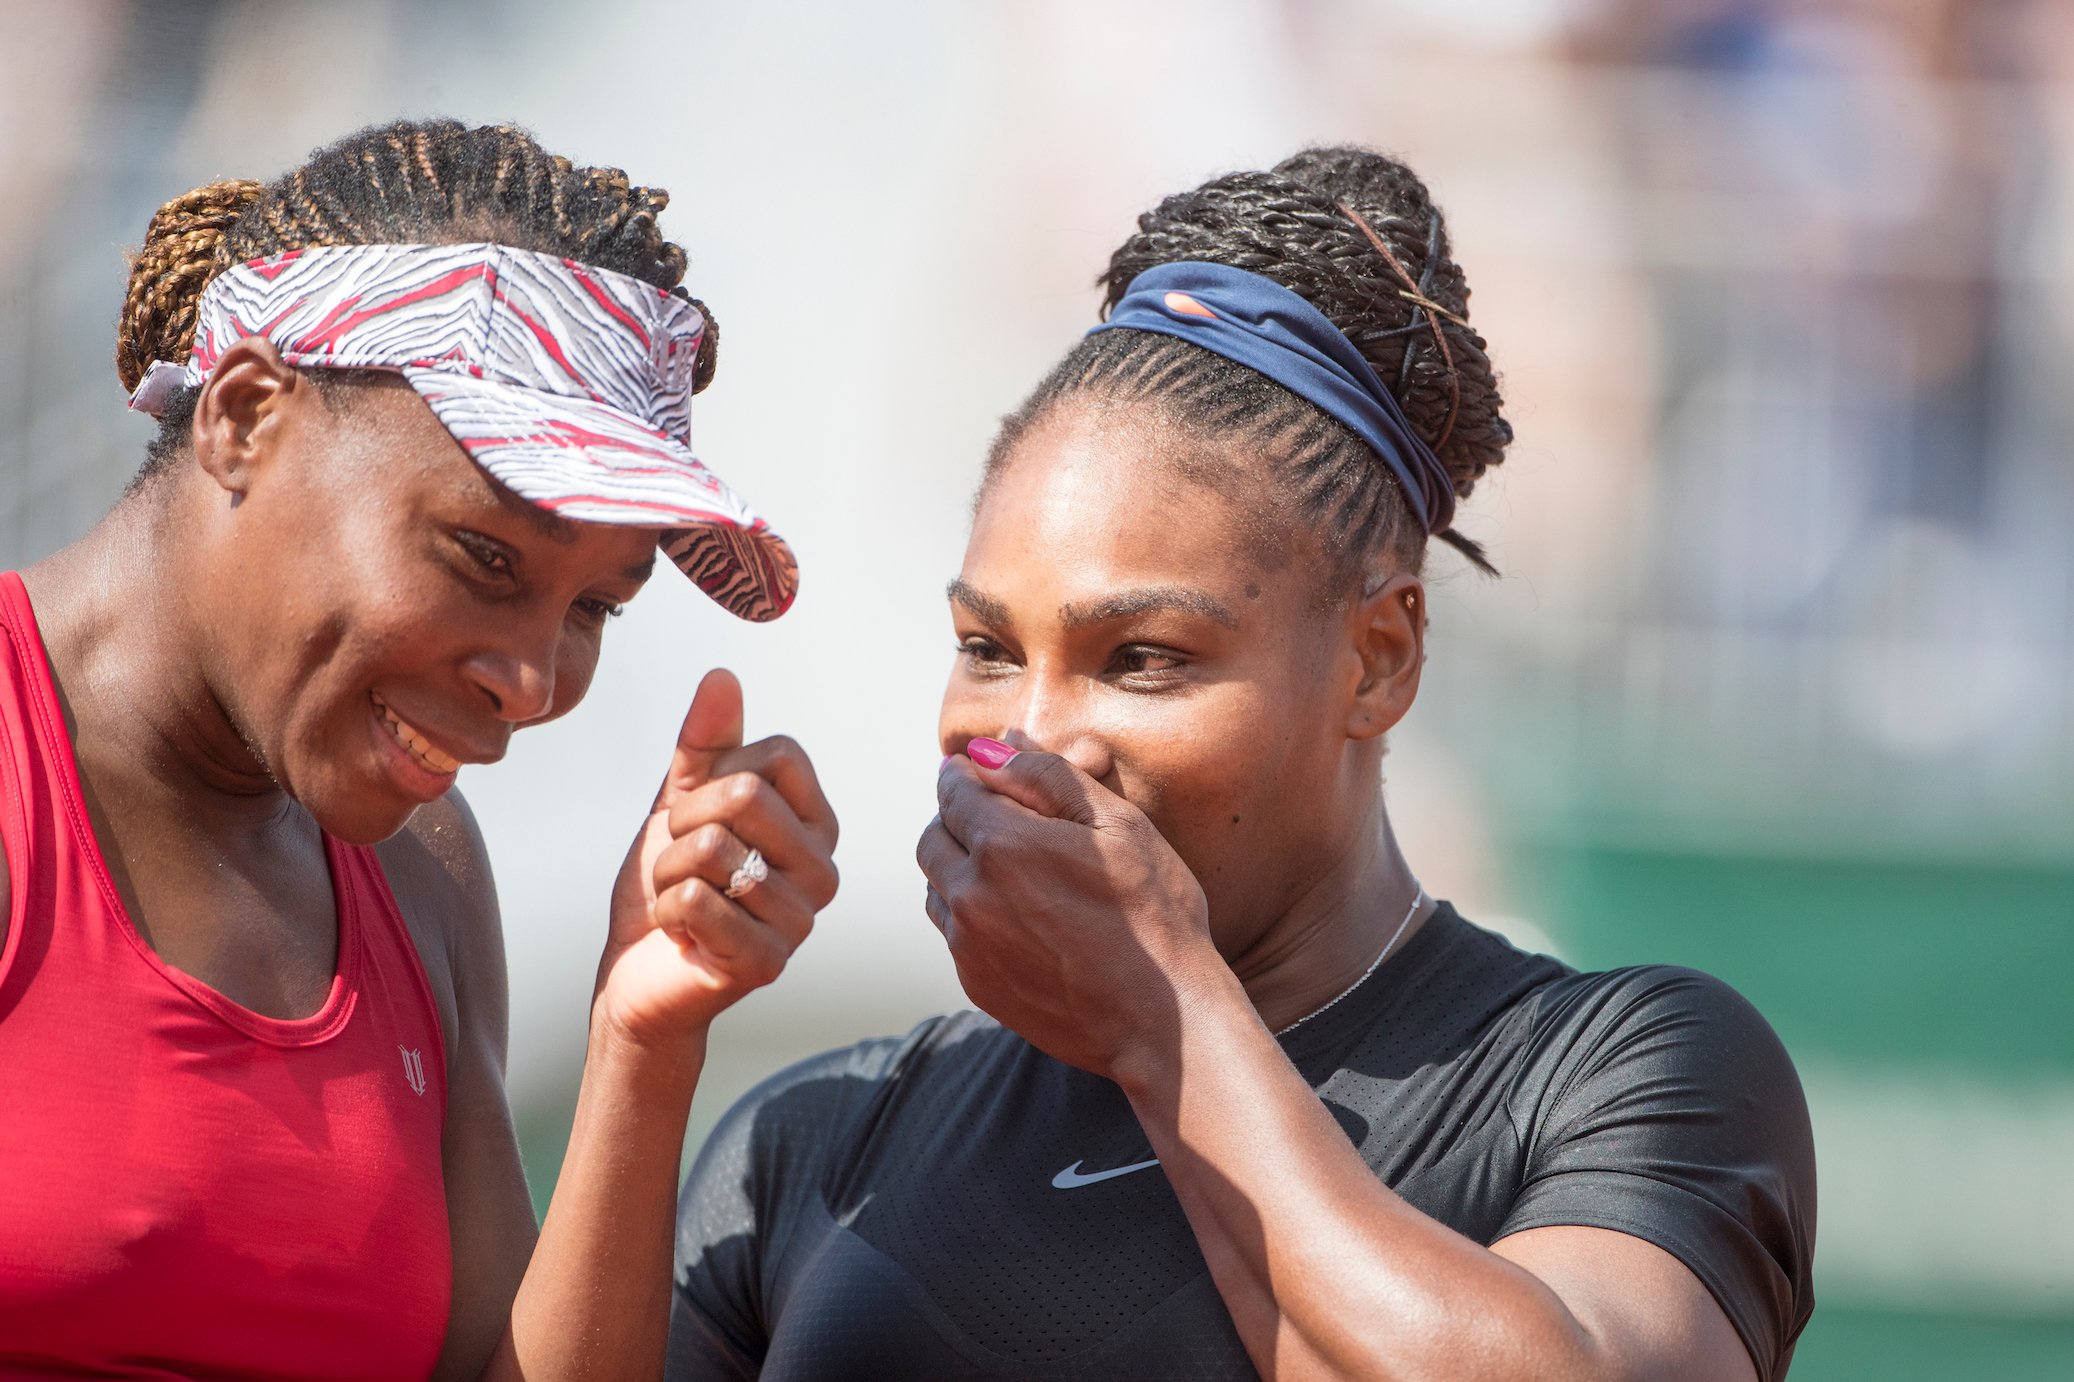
(593,463)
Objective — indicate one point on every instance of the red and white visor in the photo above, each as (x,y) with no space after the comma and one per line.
(569,384)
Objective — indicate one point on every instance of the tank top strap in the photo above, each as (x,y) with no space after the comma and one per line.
(31,806)
(392,972)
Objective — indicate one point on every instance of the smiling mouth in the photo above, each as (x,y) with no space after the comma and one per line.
(415,743)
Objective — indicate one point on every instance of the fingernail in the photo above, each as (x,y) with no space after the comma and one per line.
(990,753)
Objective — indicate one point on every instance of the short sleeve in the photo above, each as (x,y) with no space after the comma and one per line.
(762,1166)
(1666,1108)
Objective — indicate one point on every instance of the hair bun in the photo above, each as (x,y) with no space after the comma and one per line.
(183,249)
(1290,224)
(1361,177)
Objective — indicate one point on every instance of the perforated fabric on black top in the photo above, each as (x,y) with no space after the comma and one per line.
(943,1206)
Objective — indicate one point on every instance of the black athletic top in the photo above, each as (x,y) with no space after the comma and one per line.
(958,1205)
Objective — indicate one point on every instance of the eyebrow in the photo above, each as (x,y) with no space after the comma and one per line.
(639,572)
(1148,600)
(979,602)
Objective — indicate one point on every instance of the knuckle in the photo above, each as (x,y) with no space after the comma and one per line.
(987,851)
(792,928)
(710,842)
(741,791)
(764,964)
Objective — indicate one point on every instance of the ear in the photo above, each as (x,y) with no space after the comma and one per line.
(238,418)
(1388,629)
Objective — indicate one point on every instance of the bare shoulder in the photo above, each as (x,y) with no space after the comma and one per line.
(439,870)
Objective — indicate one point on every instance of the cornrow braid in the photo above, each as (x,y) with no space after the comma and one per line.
(1399,297)
(410,182)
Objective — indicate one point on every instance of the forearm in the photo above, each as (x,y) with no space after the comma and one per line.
(1326,1271)
(595,1301)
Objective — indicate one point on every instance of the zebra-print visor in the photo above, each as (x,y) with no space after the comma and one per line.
(569,384)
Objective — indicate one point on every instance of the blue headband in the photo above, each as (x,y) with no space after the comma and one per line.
(1258,323)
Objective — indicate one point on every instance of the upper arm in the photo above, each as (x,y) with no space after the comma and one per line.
(1644,1310)
(756,1178)
(716,1313)
(439,870)
(1671,1133)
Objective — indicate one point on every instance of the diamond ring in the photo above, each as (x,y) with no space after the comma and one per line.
(753,870)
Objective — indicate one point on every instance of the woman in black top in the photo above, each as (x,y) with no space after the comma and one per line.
(1244,1099)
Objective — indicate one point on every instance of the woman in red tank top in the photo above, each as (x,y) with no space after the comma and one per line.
(424,419)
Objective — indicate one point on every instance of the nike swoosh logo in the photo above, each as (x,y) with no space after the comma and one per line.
(1072,1179)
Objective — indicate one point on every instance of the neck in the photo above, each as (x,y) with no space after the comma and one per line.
(147,726)
(1335,929)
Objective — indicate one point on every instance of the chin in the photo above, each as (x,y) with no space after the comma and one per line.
(365,817)
(365,827)
(374,834)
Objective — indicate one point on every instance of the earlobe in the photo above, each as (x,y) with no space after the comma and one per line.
(1388,629)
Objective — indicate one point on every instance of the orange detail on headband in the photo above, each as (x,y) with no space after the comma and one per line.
(1182,302)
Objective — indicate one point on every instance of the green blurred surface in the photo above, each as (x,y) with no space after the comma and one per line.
(1880,961)
(1872,966)
(1850,1344)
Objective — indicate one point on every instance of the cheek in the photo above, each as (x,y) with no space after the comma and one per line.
(576,663)
(972,706)
(1192,765)
(1241,775)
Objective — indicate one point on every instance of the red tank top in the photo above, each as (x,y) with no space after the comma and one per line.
(188,1188)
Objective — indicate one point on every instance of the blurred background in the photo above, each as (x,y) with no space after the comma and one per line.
(1780,679)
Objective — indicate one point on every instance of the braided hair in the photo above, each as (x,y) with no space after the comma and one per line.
(1307,225)
(410,182)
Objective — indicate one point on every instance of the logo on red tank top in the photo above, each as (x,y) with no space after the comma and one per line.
(413,1069)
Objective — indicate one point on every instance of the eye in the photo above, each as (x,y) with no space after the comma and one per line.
(1144,661)
(598,610)
(488,554)
(983,653)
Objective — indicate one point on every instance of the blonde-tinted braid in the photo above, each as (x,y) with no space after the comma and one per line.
(183,250)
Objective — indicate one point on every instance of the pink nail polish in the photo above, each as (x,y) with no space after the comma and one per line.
(990,753)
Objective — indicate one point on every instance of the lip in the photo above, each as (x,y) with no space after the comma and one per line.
(421,778)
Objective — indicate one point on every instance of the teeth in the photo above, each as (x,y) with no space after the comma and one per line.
(419,746)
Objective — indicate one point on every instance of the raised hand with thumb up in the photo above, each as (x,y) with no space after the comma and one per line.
(723,880)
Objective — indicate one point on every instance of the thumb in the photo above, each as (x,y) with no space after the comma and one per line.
(1043,782)
(711,728)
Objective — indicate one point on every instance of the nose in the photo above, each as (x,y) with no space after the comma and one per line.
(520,684)
(1052,718)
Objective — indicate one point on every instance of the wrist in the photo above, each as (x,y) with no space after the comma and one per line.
(1210,1007)
(641,1053)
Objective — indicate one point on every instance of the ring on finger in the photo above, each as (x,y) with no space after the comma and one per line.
(748,874)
